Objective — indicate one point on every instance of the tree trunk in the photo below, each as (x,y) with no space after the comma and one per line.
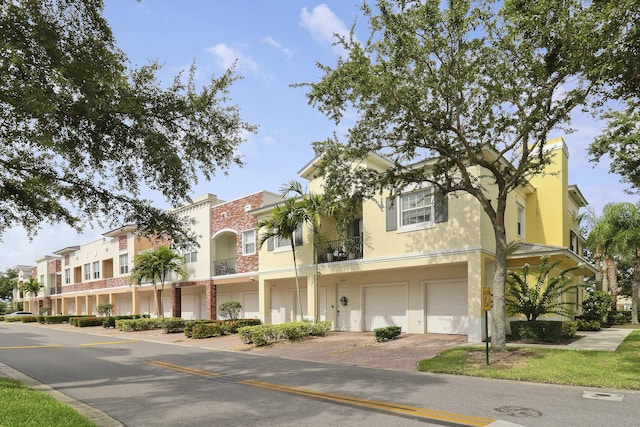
(635,287)
(612,281)
(295,268)
(498,315)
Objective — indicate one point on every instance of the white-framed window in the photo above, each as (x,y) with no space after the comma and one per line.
(416,209)
(67,276)
(520,220)
(248,242)
(96,269)
(124,264)
(87,271)
(573,241)
(190,255)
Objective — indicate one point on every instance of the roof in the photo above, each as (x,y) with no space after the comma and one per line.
(67,250)
(528,250)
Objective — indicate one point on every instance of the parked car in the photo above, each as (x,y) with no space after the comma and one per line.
(19,313)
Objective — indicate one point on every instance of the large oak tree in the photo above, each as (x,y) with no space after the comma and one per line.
(460,95)
(83,135)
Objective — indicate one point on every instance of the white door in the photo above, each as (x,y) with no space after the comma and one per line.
(385,305)
(344,308)
(188,308)
(447,308)
(250,306)
(278,309)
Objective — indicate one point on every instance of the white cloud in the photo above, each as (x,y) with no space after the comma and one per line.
(226,56)
(323,24)
(271,42)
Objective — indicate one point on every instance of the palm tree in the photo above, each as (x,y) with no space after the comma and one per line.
(601,242)
(314,206)
(156,265)
(31,286)
(283,223)
(625,220)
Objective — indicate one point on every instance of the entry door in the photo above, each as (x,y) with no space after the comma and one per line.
(344,308)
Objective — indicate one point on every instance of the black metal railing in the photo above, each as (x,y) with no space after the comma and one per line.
(340,250)
(224,266)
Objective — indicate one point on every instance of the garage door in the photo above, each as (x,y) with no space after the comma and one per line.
(447,308)
(385,306)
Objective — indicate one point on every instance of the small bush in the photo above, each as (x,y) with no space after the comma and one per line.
(616,318)
(569,329)
(230,310)
(141,324)
(387,333)
(28,319)
(109,322)
(206,330)
(82,322)
(190,324)
(588,325)
(270,334)
(537,330)
(173,326)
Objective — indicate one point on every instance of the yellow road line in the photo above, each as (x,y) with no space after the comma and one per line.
(378,405)
(108,343)
(404,410)
(199,372)
(31,346)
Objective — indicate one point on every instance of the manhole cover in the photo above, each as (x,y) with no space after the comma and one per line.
(602,396)
(519,411)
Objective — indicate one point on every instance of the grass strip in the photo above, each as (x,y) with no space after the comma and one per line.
(605,369)
(25,407)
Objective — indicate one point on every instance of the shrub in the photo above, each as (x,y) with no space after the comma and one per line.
(588,325)
(569,328)
(57,319)
(387,333)
(596,305)
(206,330)
(173,326)
(270,334)
(81,322)
(105,309)
(230,310)
(109,322)
(28,319)
(140,324)
(45,310)
(614,318)
(190,324)
(537,331)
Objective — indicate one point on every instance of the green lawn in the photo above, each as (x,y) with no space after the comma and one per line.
(25,407)
(607,369)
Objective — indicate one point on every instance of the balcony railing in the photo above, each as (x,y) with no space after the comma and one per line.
(223,267)
(340,250)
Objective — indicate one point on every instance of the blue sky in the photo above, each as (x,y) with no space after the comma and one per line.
(276,44)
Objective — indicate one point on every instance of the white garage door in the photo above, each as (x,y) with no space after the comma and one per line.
(447,308)
(385,306)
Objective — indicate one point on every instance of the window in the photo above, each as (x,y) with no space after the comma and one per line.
(573,242)
(190,255)
(87,271)
(248,242)
(96,270)
(279,244)
(520,220)
(67,276)
(416,209)
(124,264)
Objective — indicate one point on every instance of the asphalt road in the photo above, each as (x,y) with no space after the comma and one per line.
(139,383)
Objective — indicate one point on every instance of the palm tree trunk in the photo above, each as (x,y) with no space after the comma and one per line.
(612,281)
(295,268)
(635,287)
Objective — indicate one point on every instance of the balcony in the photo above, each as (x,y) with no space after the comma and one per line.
(340,250)
(223,267)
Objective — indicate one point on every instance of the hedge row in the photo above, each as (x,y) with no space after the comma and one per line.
(543,330)
(271,334)
(211,328)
